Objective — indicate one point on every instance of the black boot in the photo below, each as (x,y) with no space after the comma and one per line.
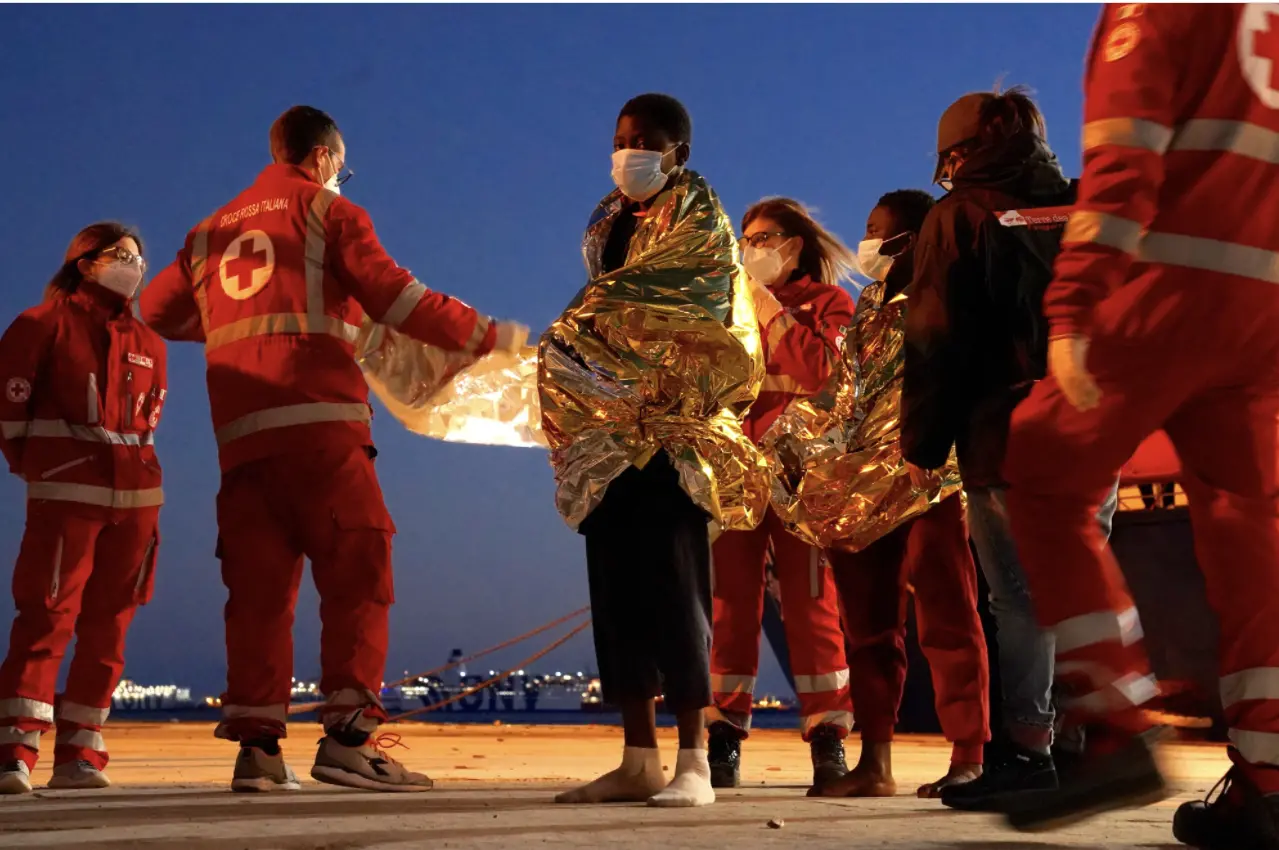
(1124,778)
(827,747)
(724,752)
(1234,816)
(1012,771)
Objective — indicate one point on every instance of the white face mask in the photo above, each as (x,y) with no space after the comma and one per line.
(639,173)
(872,263)
(121,279)
(332,183)
(764,264)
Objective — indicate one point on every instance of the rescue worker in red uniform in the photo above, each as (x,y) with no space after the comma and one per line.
(1176,200)
(84,385)
(795,267)
(276,284)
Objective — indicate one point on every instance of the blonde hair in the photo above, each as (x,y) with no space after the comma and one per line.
(824,257)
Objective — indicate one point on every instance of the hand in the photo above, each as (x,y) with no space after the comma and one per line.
(1068,363)
(920,478)
(766,304)
(511,337)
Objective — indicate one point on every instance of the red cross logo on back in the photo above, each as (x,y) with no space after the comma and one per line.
(1258,48)
(247,265)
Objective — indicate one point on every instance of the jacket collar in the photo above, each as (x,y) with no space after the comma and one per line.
(100,301)
(284,171)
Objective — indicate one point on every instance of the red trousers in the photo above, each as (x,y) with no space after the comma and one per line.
(931,554)
(810,613)
(81,576)
(326,506)
(1197,354)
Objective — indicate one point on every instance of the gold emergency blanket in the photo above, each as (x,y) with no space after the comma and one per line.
(839,480)
(450,395)
(663,353)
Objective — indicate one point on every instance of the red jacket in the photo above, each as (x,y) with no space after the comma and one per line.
(84,385)
(801,345)
(276,284)
(1181,112)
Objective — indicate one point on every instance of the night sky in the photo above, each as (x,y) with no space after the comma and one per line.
(481,138)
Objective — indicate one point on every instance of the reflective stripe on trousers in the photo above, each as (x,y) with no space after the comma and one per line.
(84,715)
(733,685)
(1098,627)
(10,736)
(89,739)
(23,708)
(821,683)
(1258,684)
(842,719)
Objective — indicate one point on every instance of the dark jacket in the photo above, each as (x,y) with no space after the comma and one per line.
(976,339)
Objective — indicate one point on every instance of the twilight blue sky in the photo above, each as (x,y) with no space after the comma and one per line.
(481,138)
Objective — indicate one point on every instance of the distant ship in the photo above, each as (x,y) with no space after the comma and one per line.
(455,693)
(593,700)
(519,692)
(130,696)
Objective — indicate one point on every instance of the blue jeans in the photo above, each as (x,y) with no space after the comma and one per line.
(1026,653)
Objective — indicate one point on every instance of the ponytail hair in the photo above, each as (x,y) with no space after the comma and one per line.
(1010,114)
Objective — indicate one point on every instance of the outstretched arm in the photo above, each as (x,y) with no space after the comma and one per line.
(168,303)
(392,296)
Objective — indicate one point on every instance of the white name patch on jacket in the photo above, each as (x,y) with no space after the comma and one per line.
(141,360)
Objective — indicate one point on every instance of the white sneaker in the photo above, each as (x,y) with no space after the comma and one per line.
(255,770)
(78,774)
(367,766)
(15,778)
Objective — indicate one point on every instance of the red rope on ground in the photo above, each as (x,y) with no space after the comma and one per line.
(302,708)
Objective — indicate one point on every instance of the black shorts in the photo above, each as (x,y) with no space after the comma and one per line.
(649,564)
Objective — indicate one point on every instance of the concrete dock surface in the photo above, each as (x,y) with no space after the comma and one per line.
(494,786)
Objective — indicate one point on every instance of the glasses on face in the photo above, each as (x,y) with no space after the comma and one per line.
(761,239)
(340,166)
(125,256)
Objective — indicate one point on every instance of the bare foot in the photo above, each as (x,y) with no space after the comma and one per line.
(861,781)
(958,775)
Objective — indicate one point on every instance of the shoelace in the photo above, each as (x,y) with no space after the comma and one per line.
(386,741)
(1221,789)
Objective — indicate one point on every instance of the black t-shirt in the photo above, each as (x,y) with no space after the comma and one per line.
(649,497)
(613,257)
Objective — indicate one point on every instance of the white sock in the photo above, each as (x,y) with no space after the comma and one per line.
(691,785)
(639,778)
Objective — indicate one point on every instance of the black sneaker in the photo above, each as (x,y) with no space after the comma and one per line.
(724,752)
(827,747)
(1126,778)
(1013,771)
(1234,816)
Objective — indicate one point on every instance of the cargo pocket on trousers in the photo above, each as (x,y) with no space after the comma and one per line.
(362,550)
(38,572)
(145,586)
